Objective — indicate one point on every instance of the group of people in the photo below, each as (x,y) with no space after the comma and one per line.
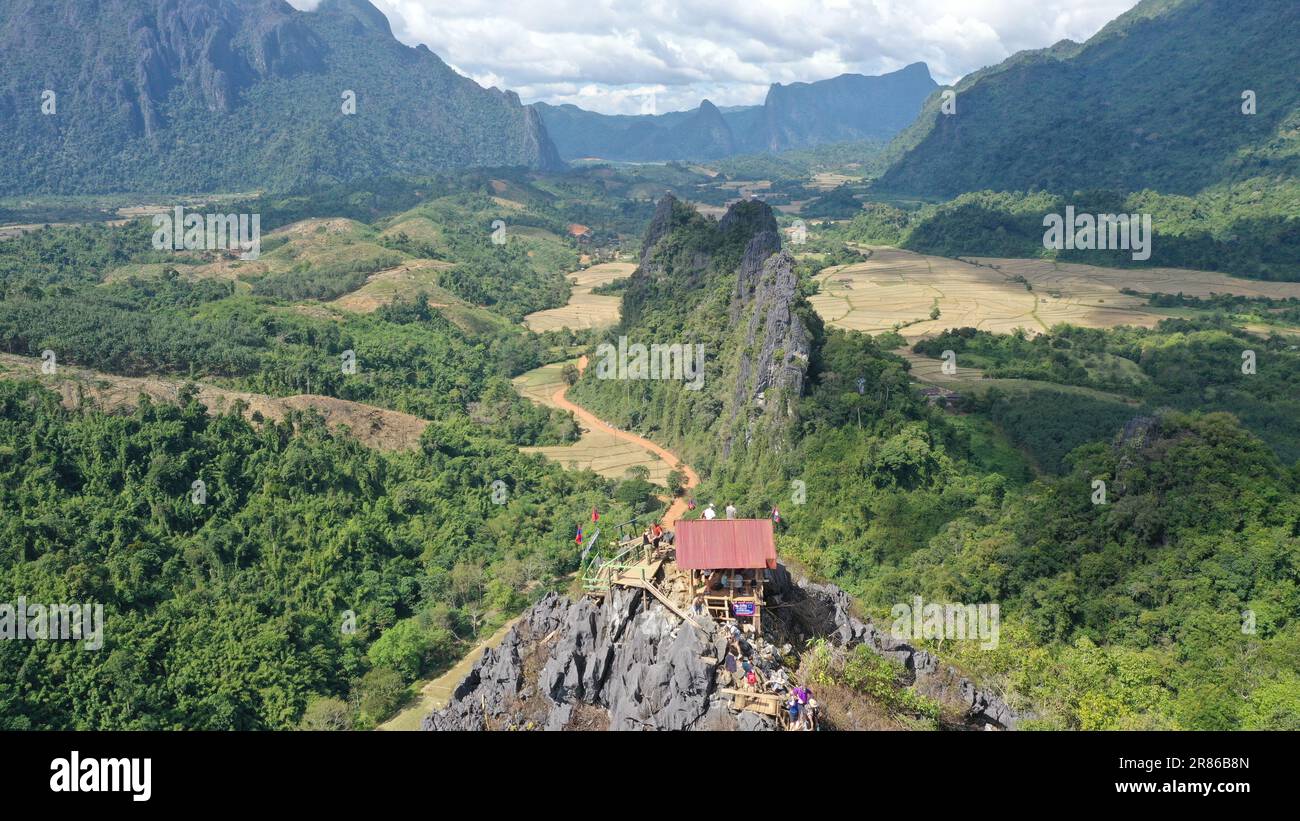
(730,510)
(710,513)
(752,673)
(801,709)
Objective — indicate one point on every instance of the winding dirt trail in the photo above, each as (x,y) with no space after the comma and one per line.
(436,692)
(678,508)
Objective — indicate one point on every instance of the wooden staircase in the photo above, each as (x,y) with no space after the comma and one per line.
(632,568)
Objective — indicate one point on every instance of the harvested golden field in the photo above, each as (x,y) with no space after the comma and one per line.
(1048,275)
(584,309)
(902,287)
(404,281)
(374,427)
(597,450)
(827,180)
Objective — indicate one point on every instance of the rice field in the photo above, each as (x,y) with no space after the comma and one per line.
(901,287)
(584,309)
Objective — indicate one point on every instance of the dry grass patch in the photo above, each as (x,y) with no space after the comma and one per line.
(901,287)
(311,242)
(404,281)
(374,427)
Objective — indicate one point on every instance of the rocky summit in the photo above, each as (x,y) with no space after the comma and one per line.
(630,664)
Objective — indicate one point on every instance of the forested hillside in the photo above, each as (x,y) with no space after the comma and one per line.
(236,96)
(235,614)
(1247,230)
(1154,100)
(317,579)
(1170,605)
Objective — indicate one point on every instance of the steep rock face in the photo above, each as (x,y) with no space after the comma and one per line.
(218,95)
(778,337)
(626,665)
(841,109)
(834,619)
(776,343)
(845,108)
(194,44)
(706,135)
(755,326)
(640,667)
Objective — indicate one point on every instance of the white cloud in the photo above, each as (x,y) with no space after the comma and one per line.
(606,54)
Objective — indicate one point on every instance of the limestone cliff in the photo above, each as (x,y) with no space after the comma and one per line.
(626,664)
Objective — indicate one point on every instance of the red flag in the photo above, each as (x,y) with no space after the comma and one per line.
(595,514)
(578,539)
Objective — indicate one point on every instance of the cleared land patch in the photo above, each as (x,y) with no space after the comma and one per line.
(584,309)
(374,427)
(403,281)
(901,287)
(971,381)
(305,246)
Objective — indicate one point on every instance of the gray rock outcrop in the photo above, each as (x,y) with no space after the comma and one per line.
(638,666)
(629,664)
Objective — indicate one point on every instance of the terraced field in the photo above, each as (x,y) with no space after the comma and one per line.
(584,309)
(901,287)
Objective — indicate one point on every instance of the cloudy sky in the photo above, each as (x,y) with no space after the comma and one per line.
(615,56)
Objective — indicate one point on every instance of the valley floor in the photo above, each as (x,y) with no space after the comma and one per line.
(901,288)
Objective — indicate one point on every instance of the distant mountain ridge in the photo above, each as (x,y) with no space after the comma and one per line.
(1153,100)
(847,108)
(206,95)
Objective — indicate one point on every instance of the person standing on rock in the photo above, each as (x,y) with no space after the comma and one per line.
(810,714)
(731,510)
(709,512)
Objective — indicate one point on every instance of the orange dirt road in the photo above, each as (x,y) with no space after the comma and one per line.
(586,417)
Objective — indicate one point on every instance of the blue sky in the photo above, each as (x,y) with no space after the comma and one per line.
(610,55)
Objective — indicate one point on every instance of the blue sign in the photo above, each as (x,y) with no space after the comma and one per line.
(742,608)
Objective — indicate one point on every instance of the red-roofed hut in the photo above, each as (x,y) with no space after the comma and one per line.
(727,559)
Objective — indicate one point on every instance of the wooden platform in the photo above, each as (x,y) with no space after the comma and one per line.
(644,576)
(766,703)
(635,575)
